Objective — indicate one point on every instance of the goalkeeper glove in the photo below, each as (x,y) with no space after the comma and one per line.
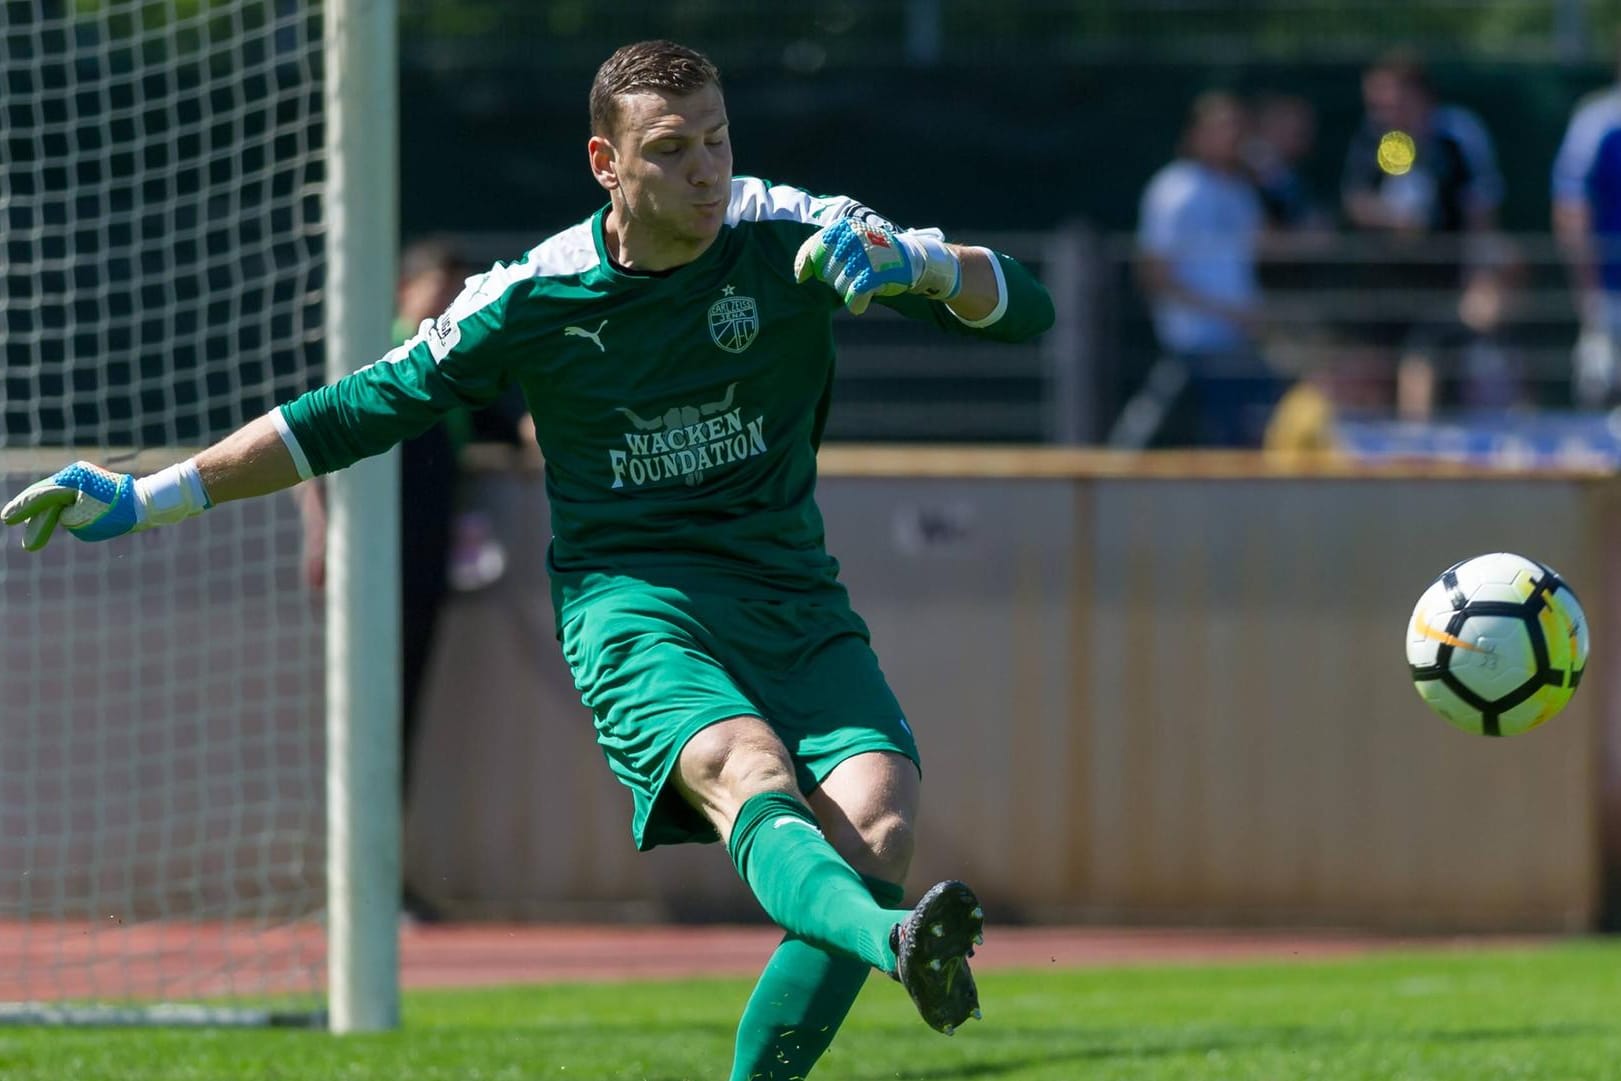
(96,504)
(861,260)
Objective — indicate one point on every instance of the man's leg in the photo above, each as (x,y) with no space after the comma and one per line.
(738,775)
(680,731)
(867,806)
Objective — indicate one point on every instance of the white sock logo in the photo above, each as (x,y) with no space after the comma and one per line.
(790,820)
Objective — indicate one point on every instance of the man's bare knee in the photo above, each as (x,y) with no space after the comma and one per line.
(890,841)
(725,764)
(735,755)
(867,807)
(880,844)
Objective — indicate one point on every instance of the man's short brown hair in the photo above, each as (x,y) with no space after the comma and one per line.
(662,66)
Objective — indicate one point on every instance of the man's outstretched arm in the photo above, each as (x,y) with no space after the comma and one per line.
(97,504)
(251,461)
(454,362)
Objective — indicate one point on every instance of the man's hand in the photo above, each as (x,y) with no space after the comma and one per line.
(93,503)
(860,260)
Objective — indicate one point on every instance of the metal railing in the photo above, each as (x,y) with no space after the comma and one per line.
(1349,308)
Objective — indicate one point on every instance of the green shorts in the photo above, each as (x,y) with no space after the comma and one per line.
(654,665)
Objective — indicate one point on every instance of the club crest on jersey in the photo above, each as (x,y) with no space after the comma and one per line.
(734,321)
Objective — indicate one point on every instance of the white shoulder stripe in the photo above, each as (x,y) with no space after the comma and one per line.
(755,200)
(573,251)
(570,252)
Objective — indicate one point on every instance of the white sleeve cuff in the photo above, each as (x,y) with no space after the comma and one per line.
(291,440)
(172,495)
(1001,294)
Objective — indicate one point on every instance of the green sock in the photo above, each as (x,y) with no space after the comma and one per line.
(800,1002)
(804,885)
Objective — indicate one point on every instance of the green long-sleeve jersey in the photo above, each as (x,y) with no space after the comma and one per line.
(679,413)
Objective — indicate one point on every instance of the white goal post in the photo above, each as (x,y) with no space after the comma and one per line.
(199,759)
(363,585)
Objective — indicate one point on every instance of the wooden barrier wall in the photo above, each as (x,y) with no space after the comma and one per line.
(1155,690)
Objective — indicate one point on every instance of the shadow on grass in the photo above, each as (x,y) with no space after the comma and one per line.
(1285,1038)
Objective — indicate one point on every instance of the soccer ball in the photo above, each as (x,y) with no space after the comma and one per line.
(1497,644)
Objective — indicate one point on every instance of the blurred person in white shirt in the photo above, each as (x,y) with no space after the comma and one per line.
(1198,230)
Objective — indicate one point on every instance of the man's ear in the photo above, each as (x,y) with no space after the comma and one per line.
(604,161)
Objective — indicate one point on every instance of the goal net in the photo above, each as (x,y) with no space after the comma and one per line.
(162,763)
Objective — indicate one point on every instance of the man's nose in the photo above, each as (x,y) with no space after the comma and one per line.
(706,169)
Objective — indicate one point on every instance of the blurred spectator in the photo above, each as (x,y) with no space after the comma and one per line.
(1417,172)
(1587,225)
(1200,223)
(1442,178)
(431,274)
(1283,132)
(1303,423)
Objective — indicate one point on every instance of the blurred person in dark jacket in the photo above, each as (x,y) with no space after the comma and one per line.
(1421,183)
(1283,132)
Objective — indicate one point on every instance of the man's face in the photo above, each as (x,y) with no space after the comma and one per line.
(1394,103)
(1289,128)
(1218,137)
(427,294)
(670,159)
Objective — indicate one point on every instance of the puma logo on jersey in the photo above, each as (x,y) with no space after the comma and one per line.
(581,332)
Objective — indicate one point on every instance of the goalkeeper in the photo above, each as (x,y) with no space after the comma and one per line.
(676,352)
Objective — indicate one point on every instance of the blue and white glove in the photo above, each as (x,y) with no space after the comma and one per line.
(861,260)
(96,504)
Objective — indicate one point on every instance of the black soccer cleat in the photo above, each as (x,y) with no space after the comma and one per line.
(932,947)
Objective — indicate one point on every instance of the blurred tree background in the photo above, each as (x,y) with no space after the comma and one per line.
(843,32)
(1030,112)
(1038,111)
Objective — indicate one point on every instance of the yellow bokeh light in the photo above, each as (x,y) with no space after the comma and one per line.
(1397,152)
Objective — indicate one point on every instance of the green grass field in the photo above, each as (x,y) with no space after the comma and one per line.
(1550,1014)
